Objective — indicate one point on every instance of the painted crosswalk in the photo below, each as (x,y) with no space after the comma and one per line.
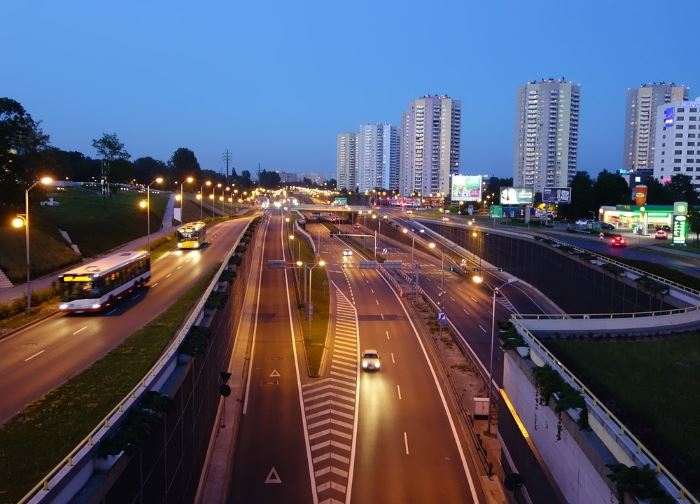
(330,408)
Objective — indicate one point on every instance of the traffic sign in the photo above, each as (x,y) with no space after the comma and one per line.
(442,318)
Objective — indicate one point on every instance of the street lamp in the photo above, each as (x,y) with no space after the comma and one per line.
(147,206)
(477,279)
(23,220)
(320,263)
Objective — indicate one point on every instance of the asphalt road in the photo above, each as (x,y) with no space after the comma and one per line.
(36,360)
(406,449)
(270,461)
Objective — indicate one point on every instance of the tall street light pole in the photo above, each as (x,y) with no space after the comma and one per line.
(24,220)
(157,180)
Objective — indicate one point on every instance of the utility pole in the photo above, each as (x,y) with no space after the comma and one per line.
(227,159)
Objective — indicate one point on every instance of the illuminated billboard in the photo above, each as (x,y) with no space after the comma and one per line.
(668,116)
(466,188)
(517,195)
(556,195)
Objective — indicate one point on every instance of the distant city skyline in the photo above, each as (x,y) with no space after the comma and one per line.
(271,83)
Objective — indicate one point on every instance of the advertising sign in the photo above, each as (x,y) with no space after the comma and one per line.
(466,188)
(496,212)
(668,116)
(339,201)
(640,195)
(680,222)
(556,195)
(517,195)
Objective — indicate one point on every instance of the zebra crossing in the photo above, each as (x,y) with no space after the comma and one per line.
(330,408)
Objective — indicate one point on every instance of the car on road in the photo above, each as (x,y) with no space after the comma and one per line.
(347,252)
(370,360)
(661,234)
(665,227)
(618,241)
(607,227)
(445,219)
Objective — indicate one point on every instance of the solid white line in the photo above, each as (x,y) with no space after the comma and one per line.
(80,330)
(465,467)
(255,327)
(398,391)
(35,355)
(309,460)
(376,301)
(405,443)
(482,328)
(392,358)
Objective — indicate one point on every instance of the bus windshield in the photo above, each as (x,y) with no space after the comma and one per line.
(72,290)
(187,234)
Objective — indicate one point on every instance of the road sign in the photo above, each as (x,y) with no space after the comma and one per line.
(365,264)
(275,263)
(394,264)
(680,222)
(496,212)
(442,318)
(225,375)
(273,477)
(385,251)
(224,390)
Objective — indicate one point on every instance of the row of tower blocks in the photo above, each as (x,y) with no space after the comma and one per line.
(420,155)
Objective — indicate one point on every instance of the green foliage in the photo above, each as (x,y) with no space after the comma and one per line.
(639,482)
(551,385)
(183,163)
(196,341)
(216,300)
(110,148)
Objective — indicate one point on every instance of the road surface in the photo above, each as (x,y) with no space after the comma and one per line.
(37,359)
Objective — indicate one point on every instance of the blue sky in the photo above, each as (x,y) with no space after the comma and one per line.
(276,81)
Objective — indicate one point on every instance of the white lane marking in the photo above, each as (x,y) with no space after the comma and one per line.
(455,436)
(35,355)
(376,301)
(482,328)
(398,391)
(474,299)
(405,442)
(255,329)
(466,311)
(154,285)
(305,429)
(80,330)
(387,335)
(168,275)
(392,358)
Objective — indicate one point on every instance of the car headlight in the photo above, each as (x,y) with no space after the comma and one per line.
(63,306)
(364,364)
(95,306)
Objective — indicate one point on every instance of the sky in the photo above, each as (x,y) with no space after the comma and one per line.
(275,82)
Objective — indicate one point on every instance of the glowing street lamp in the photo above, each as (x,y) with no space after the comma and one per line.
(147,207)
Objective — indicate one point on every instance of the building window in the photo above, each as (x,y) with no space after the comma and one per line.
(679,126)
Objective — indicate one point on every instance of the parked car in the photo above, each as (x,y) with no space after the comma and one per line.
(665,227)
(661,234)
(618,241)
(606,227)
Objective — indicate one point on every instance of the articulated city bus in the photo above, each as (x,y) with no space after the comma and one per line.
(93,286)
(191,235)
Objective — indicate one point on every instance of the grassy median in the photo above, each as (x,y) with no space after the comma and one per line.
(37,439)
(316,328)
(653,386)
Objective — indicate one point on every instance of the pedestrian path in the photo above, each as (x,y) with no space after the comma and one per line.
(330,407)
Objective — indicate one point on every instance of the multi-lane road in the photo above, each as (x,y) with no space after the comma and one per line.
(35,360)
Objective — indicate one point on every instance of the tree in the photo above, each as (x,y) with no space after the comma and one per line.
(146,169)
(331,183)
(244,179)
(183,163)
(582,197)
(694,223)
(110,149)
(269,179)
(658,193)
(681,188)
(610,189)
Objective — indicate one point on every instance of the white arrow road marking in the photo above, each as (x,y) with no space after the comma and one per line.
(274,374)
(273,477)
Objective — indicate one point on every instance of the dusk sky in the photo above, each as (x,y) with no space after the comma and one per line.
(276,81)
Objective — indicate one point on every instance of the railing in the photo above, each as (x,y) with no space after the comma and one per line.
(560,316)
(601,409)
(85,446)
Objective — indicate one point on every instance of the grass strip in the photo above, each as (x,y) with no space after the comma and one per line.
(653,386)
(38,438)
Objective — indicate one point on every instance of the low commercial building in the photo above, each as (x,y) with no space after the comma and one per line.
(628,217)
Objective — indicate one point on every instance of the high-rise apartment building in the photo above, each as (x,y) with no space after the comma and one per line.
(346,161)
(677,149)
(546,134)
(640,121)
(377,157)
(430,137)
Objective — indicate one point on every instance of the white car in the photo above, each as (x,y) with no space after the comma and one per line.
(370,360)
(347,252)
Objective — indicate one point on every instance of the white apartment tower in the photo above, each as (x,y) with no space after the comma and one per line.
(377,157)
(640,121)
(546,134)
(346,161)
(430,136)
(677,149)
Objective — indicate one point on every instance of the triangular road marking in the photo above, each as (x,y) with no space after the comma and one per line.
(274,374)
(273,477)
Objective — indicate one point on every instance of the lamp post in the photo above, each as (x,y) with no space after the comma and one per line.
(201,189)
(157,180)
(23,220)
(320,263)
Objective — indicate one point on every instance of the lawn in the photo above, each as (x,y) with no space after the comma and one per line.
(653,386)
(316,329)
(37,439)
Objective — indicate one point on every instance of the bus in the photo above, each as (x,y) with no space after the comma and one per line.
(93,286)
(191,235)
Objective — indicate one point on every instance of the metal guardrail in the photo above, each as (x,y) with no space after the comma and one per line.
(601,409)
(64,467)
(561,316)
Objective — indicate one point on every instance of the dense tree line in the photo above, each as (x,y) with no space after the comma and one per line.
(26,153)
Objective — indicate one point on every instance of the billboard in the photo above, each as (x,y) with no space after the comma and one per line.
(517,195)
(640,195)
(556,195)
(668,116)
(680,222)
(466,188)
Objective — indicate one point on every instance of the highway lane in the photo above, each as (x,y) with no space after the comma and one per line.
(270,460)
(39,358)
(405,443)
